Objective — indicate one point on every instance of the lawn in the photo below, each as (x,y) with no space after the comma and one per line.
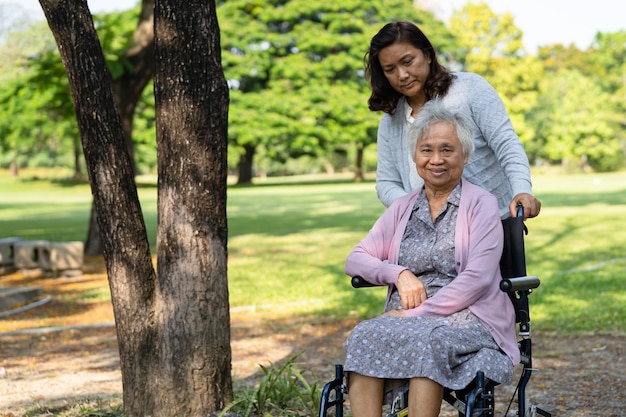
(288,242)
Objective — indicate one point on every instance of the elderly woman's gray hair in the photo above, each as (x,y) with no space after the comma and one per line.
(434,112)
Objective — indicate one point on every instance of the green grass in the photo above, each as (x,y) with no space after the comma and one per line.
(87,407)
(288,242)
(576,246)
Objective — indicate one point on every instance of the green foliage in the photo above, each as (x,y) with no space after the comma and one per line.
(485,37)
(298,96)
(607,61)
(517,82)
(37,119)
(558,100)
(574,123)
(296,72)
(283,391)
(492,47)
(557,57)
(115,31)
(144,132)
(33,129)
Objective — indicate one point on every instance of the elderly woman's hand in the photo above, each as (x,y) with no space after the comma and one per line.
(412,291)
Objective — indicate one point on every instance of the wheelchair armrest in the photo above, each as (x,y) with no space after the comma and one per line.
(359,282)
(506,285)
(519,283)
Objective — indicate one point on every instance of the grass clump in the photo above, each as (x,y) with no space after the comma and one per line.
(89,407)
(282,392)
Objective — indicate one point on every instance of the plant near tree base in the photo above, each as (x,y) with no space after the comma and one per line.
(283,391)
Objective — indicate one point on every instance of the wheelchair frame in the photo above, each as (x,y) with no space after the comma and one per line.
(478,398)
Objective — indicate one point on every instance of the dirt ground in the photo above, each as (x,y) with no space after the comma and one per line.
(576,375)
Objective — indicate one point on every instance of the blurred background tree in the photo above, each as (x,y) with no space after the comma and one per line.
(298,96)
(295,69)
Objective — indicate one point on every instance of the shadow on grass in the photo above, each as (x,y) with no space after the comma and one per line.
(299,182)
(272,182)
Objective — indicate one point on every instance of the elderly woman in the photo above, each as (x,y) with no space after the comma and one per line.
(438,250)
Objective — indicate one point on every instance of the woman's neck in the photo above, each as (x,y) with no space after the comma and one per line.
(416,103)
(436,200)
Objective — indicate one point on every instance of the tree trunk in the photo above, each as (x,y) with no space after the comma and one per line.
(14,168)
(93,245)
(191,100)
(358,166)
(78,157)
(127,90)
(245,164)
(173,332)
(129,87)
(126,248)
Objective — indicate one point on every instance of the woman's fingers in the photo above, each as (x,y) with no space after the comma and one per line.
(411,290)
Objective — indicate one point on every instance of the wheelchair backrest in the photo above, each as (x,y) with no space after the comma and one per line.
(513,261)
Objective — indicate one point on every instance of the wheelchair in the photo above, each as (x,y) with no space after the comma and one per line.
(478,398)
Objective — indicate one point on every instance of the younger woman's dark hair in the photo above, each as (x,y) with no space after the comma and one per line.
(383,96)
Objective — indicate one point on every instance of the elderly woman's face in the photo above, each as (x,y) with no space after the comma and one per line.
(439,157)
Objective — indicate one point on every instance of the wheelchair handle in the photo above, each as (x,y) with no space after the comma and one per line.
(359,282)
(519,283)
(520,210)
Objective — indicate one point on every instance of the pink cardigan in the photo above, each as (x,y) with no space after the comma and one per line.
(478,247)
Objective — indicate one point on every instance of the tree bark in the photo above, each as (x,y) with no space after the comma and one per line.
(93,244)
(127,92)
(191,100)
(78,157)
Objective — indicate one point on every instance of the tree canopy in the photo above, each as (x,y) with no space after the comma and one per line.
(295,69)
(295,73)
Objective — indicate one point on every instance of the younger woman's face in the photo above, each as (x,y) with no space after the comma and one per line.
(405,67)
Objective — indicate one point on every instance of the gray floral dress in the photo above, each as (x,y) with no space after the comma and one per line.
(448,350)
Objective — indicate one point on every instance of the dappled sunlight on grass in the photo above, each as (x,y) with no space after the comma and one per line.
(577,240)
(594,300)
(288,243)
(303,272)
(288,209)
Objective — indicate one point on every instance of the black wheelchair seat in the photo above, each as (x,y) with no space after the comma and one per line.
(478,398)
